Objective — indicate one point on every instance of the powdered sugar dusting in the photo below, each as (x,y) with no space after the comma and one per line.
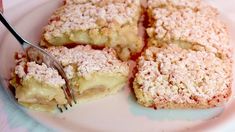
(89,60)
(200,26)
(40,73)
(84,15)
(69,70)
(176,3)
(178,75)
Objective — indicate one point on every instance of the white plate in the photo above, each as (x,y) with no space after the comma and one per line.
(114,113)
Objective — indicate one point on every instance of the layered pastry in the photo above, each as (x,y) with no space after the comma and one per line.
(109,23)
(92,74)
(190,24)
(37,86)
(175,78)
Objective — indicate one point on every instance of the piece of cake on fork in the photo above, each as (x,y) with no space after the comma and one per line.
(108,23)
(92,74)
(37,86)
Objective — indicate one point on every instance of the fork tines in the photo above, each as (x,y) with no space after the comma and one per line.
(65,107)
(69,94)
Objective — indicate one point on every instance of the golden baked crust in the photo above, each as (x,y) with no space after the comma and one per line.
(172,77)
(108,23)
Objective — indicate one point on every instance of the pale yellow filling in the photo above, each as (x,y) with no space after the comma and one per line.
(38,95)
(124,39)
(97,85)
(181,44)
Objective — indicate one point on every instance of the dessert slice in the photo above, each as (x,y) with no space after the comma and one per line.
(37,86)
(92,73)
(197,28)
(109,23)
(174,78)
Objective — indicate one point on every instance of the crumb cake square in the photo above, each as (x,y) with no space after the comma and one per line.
(190,24)
(92,73)
(108,23)
(37,86)
(174,78)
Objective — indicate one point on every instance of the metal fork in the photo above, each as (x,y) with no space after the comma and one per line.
(46,58)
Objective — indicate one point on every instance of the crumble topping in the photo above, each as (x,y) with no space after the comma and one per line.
(69,71)
(89,60)
(101,2)
(42,73)
(200,26)
(175,3)
(88,15)
(179,75)
(194,5)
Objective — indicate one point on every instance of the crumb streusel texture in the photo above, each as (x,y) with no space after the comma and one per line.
(89,60)
(173,77)
(174,3)
(188,60)
(106,24)
(41,73)
(198,29)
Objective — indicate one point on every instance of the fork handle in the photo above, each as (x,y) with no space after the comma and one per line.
(9,27)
